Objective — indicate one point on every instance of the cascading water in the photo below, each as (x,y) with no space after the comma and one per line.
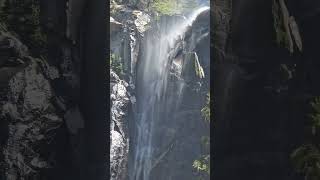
(152,81)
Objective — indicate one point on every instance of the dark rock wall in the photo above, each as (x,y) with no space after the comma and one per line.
(29,115)
(260,115)
(54,108)
(127,26)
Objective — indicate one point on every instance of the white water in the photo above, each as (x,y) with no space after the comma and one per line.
(153,82)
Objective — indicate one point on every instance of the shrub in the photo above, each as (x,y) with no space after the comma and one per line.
(306,158)
(22,17)
(171,7)
(202,165)
(116,64)
(206,109)
(167,7)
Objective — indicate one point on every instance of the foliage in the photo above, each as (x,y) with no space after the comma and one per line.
(37,35)
(23,18)
(167,7)
(188,5)
(306,158)
(202,165)
(205,141)
(307,161)
(171,7)
(116,64)
(115,8)
(206,109)
(315,118)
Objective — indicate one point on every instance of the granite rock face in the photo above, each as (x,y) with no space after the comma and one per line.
(28,115)
(128,26)
(119,138)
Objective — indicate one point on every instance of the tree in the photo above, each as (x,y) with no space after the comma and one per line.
(171,7)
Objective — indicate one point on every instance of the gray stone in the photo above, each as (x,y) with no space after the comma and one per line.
(74,120)
(26,106)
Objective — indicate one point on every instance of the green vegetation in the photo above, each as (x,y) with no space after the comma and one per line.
(315,118)
(116,64)
(306,158)
(38,36)
(307,161)
(188,5)
(22,17)
(171,7)
(167,7)
(206,109)
(202,165)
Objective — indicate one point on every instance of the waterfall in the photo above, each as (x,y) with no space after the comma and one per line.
(151,101)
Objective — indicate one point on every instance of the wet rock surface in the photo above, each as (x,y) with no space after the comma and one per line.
(127,43)
(255,141)
(124,41)
(119,137)
(178,112)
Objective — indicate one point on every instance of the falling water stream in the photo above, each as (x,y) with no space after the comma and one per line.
(153,81)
